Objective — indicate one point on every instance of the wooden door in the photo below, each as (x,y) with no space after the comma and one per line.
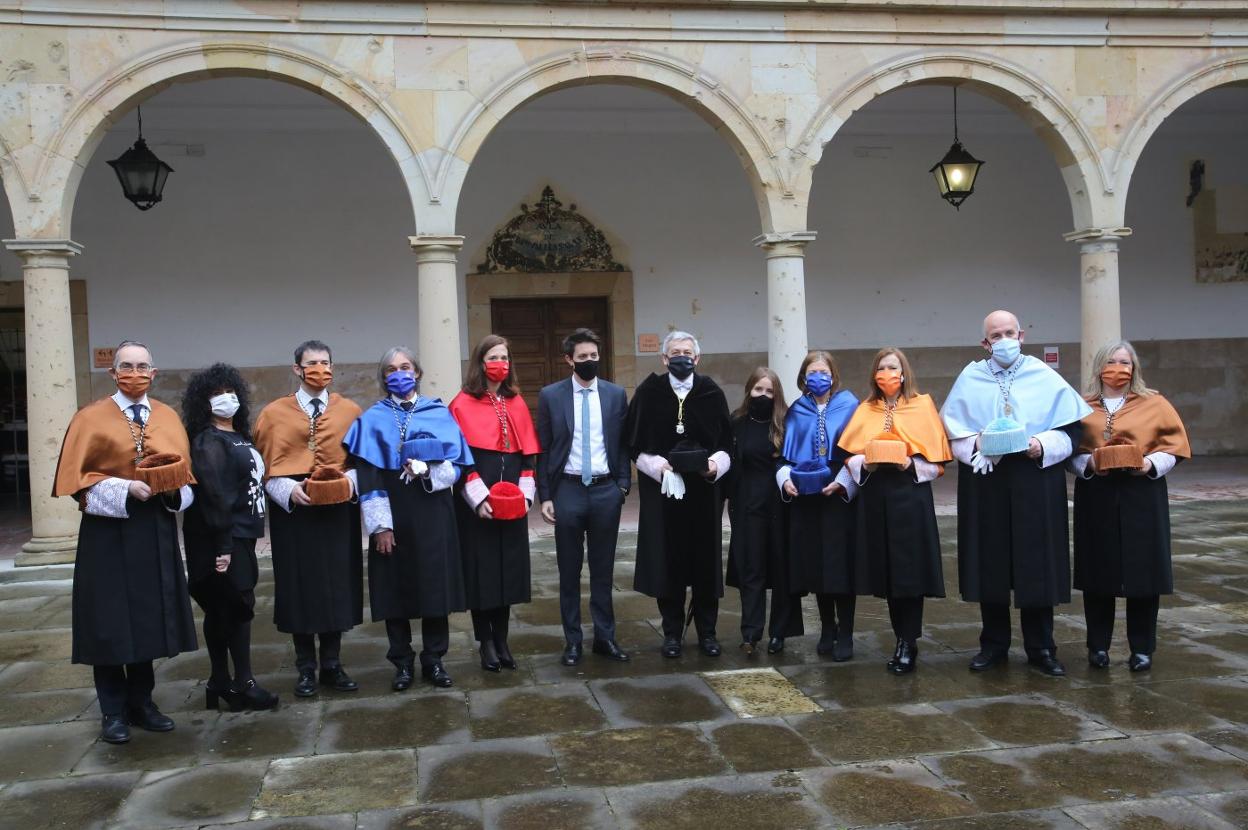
(536,328)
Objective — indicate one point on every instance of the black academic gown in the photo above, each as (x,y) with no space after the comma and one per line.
(318,553)
(897,546)
(1122,535)
(130,602)
(1012,532)
(495,552)
(759,517)
(679,541)
(422,577)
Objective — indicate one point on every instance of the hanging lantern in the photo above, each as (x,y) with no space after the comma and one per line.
(141,174)
(956,172)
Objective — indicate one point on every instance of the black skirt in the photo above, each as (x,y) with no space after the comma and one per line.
(130,601)
(231,594)
(821,545)
(494,552)
(898,543)
(318,568)
(1122,535)
(422,577)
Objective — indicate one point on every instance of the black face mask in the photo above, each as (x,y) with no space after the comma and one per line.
(762,407)
(586,369)
(681,366)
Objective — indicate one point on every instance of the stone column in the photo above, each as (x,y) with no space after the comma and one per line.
(1099,302)
(787,343)
(438,313)
(51,398)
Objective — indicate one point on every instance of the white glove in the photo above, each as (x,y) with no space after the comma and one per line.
(981,464)
(673,485)
(413,469)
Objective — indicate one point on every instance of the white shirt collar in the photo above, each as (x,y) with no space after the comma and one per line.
(305,400)
(576,386)
(680,385)
(996,368)
(125,403)
(400,401)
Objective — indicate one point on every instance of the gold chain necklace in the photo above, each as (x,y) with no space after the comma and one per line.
(139,438)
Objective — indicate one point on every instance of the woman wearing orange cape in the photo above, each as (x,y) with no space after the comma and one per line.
(897,447)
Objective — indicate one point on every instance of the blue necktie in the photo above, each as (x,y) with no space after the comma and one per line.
(587,465)
(137,409)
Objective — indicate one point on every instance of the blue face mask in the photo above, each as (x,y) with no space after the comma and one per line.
(401,383)
(1005,351)
(818,383)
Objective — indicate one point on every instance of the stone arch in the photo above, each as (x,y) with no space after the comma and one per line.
(1039,105)
(688,84)
(53,184)
(1221,72)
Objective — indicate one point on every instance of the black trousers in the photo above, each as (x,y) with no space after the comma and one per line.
(1037,625)
(586,515)
(906,615)
(1098,612)
(305,650)
(124,687)
(784,608)
(491,624)
(435,636)
(836,614)
(705,613)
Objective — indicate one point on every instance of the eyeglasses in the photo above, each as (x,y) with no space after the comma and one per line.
(131,368)
(308,364)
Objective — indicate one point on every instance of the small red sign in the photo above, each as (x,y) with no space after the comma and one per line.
(103,357)
(647,342)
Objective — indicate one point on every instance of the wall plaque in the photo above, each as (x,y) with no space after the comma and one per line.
(548,238)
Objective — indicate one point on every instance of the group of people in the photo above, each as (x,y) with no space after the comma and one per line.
(830,496)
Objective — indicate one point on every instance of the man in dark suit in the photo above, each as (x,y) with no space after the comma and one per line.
(583,478)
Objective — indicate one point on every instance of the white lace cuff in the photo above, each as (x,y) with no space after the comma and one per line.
(375,514)
(355,481)
(963,448)
(846,480)
(723,463)
(475,492)
(1163,462)
(651,465)
(528,486)
(442,475)
(924,470)
(783,474)
(1078,464)
(107,498)
(186,497)
(1056,444)
(279,490)
(856,464)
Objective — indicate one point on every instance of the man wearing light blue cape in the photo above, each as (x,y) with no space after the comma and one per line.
(1011,421)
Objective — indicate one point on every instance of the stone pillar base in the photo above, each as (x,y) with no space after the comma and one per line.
(47,550)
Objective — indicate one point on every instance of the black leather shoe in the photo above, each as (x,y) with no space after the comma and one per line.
(338,679)
(671,646)
(906,660)
(844,648)
(306,687)
(827,641)
(150,718)
(402,677)
(1098,659)
(489,657)
(987,659)
(710,646)
(504,656)
(775,645)
(115,730)
(609,649)
(1140,662)
(892,661)
(251,695)
(1046,661)
(571,654)
(437,675)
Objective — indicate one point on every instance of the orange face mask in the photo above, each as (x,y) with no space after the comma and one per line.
(1115,375)
(318,377)
(889,381)
(134,386)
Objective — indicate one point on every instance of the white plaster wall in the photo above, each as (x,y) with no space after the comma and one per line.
(295,225)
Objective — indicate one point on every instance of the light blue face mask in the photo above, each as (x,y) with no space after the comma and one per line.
(1005,351)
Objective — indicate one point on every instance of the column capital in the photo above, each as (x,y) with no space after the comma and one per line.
(1097,235)
(784,243)
(43,247)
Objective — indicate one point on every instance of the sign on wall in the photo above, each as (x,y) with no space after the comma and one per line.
(548,238)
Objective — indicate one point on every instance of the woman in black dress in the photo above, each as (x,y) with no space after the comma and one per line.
(221,528)
(758,555)
(495,551)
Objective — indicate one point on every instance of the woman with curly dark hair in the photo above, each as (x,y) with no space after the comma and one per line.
(221,529)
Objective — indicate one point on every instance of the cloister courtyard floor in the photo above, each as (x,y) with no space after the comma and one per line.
(785,741)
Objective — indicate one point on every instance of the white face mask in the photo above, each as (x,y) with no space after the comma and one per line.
(224,405)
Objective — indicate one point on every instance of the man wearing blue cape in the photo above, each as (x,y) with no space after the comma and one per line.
(408,452)
(1011,421)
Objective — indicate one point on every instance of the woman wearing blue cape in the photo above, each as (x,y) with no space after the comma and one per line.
(408,452)
(821,521)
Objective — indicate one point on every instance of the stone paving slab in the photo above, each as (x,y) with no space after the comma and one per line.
(487,769)
(540,710)
(763,802)
(337,783)
(652,701)
(1156,812)
(174,798)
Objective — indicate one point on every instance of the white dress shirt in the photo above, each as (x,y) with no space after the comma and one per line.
(305,400)
(597,440)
